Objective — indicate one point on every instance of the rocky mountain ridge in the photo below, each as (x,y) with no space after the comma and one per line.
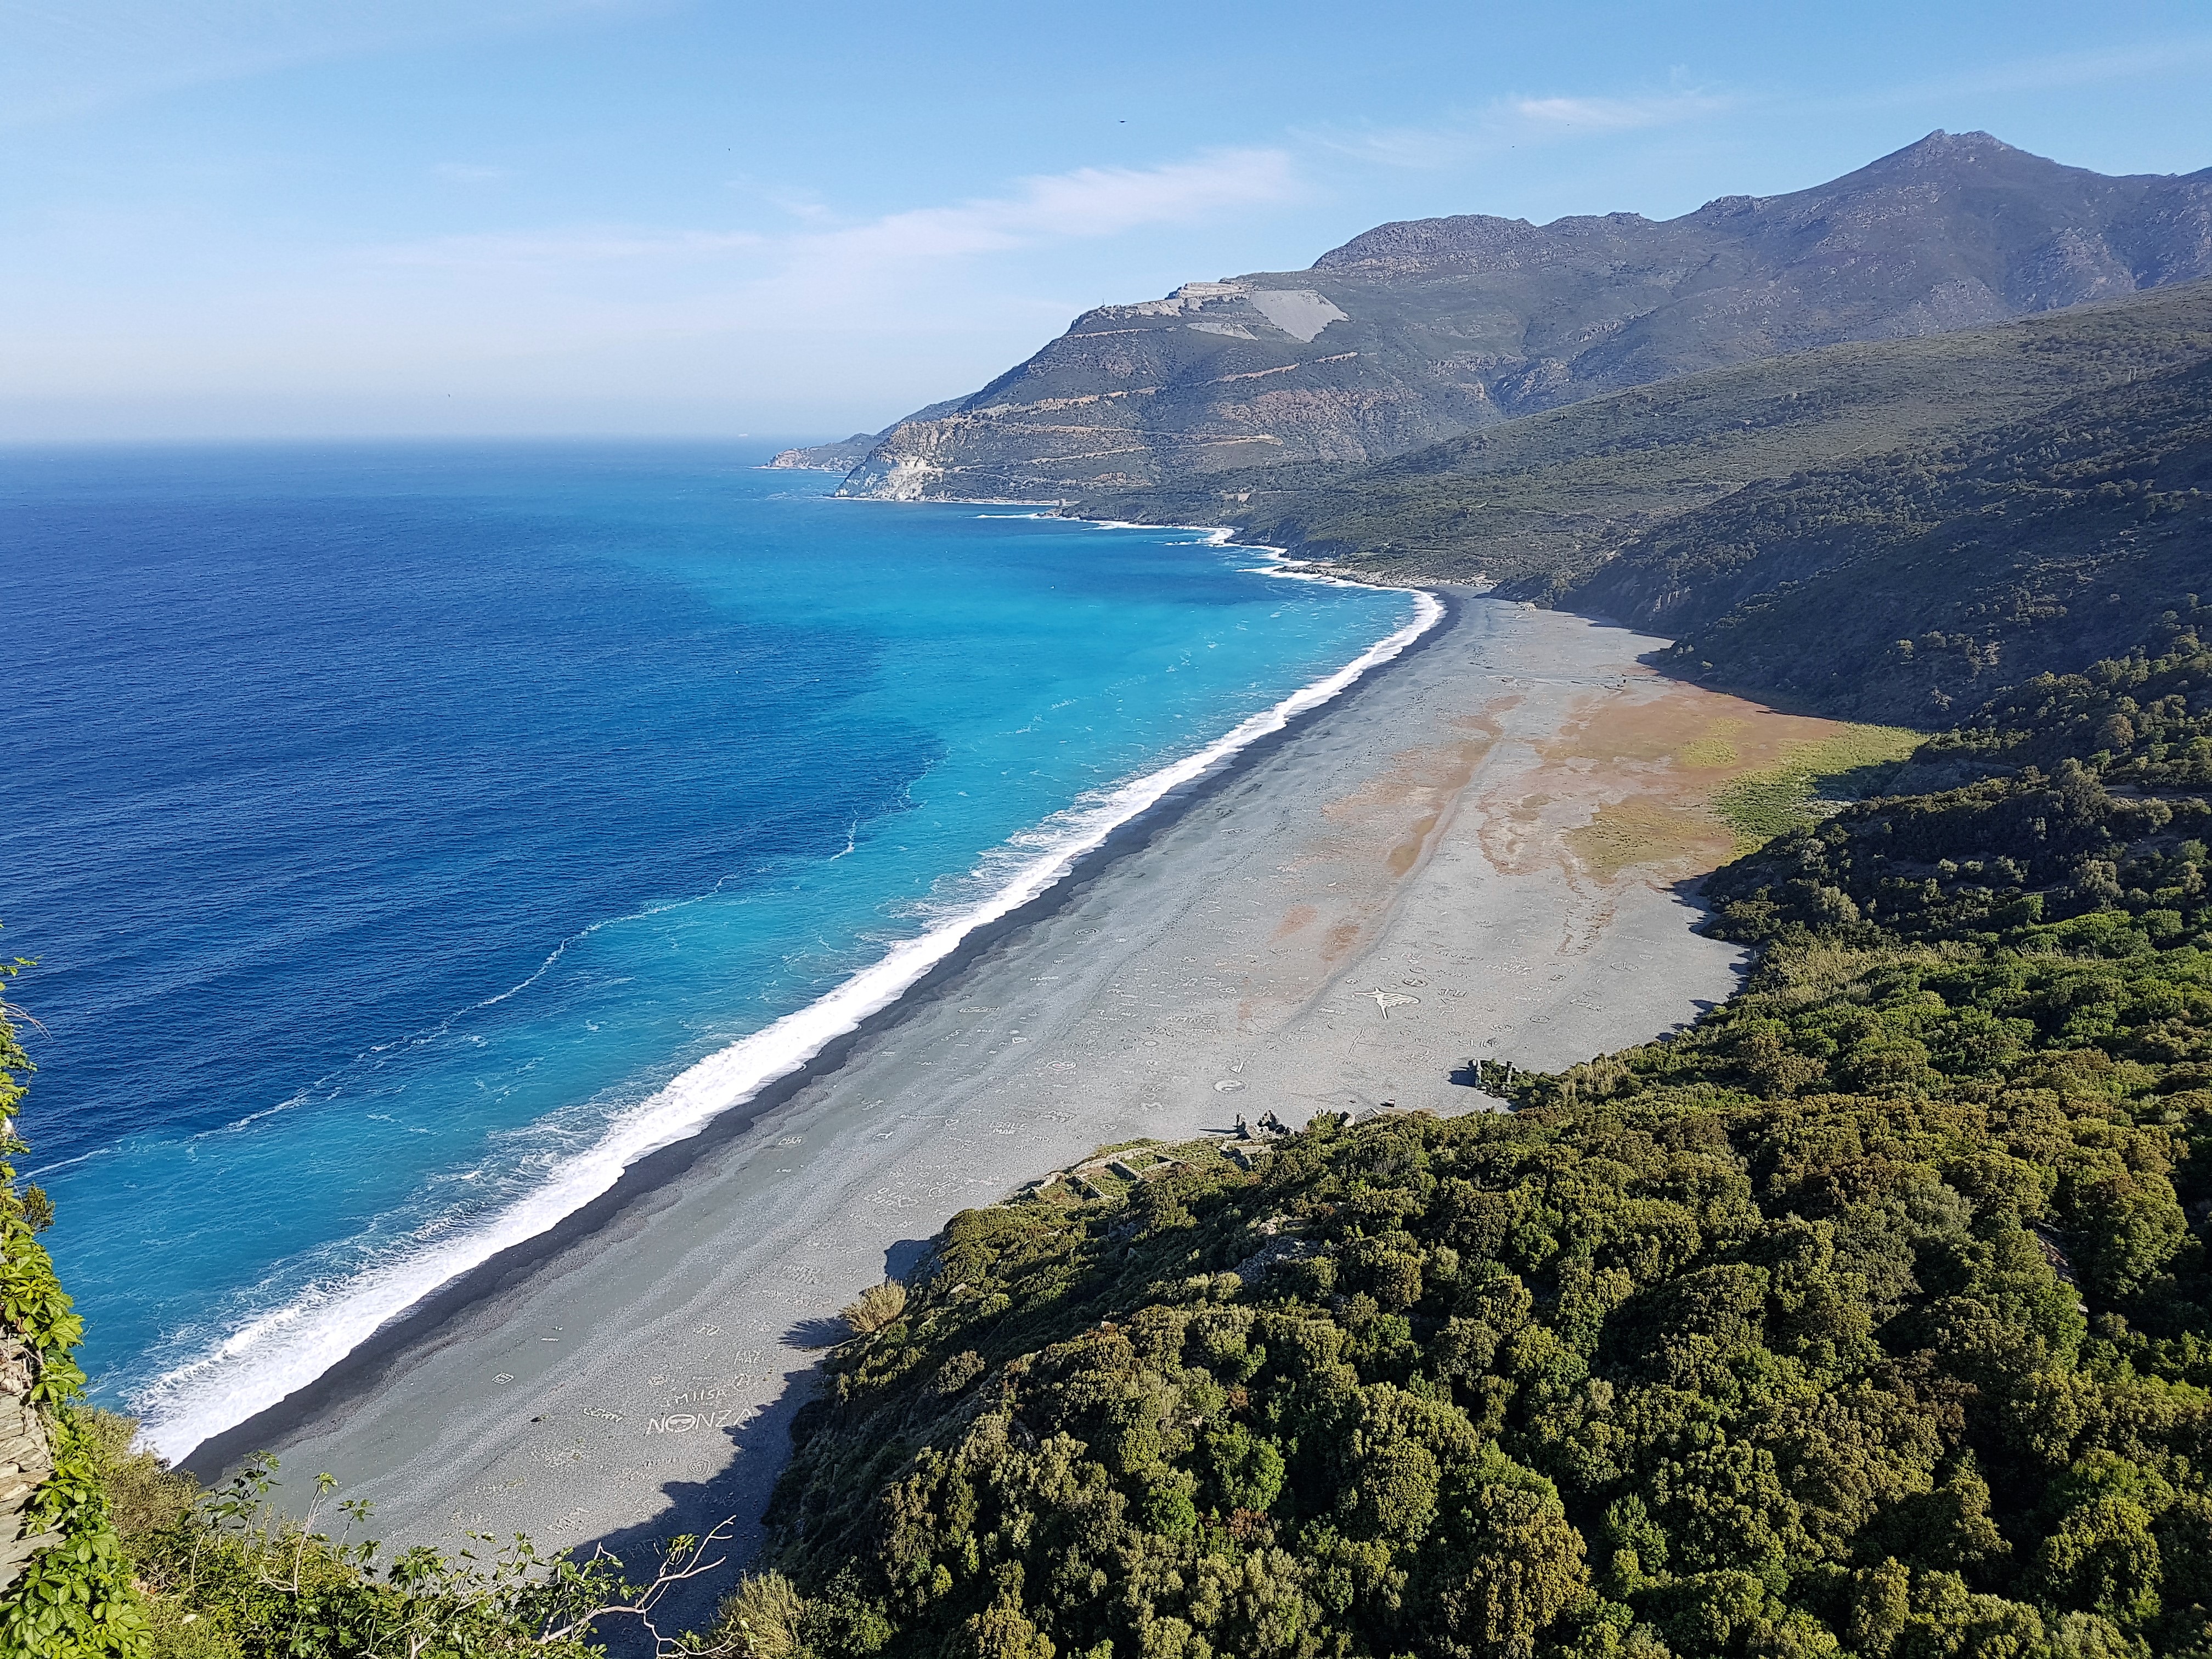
(1421,330)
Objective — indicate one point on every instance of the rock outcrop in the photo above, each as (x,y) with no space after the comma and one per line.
(840,457)
(1417,331)
(26,1459)
(846,454)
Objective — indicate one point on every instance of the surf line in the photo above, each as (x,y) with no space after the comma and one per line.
(283,1351)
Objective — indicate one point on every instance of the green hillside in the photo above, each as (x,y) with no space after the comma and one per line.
(1894,587)
(66,1589)
(1538,503)
(1869,1316)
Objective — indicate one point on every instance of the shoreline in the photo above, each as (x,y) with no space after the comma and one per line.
(1425,870)
(1148,804)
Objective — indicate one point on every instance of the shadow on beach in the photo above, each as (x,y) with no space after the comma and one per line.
(760,1449)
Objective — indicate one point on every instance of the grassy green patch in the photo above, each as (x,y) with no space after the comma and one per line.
(1854,763)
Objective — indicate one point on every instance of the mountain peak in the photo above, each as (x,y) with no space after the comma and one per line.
(1423,329)
(1960,143)
(1942,148)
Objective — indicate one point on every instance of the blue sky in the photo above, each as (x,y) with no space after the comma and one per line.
(251,218)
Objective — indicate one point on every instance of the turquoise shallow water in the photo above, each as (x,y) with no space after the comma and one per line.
(409,837)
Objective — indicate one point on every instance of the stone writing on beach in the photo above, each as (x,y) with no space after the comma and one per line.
(684,1422)
(719,1388)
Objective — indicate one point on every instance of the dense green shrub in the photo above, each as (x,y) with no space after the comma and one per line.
(227,1575)
(1914,584)
(73,1600)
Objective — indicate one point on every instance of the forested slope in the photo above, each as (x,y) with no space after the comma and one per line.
(1895,587)
(1869,1315)
(1540,502)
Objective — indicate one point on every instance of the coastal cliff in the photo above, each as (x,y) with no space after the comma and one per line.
(840,457)
(846,454)
(66,1589)
(1416,331)
(1963,509)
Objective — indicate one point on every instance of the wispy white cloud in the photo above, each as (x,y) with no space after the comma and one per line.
(1088,202)
(1507,122)
(2139,61)
(806,206)
(1528,120)
(585,246)
(1611,114)
(804,309)
(65,58)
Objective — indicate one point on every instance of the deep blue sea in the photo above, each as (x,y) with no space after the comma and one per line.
(409,837)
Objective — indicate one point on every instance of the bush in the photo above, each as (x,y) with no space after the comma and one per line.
(876,1307)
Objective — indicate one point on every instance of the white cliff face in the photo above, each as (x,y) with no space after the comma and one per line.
(1299,312)
(900,479)
(1227,308)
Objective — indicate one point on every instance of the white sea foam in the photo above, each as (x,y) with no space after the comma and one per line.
(273,1356)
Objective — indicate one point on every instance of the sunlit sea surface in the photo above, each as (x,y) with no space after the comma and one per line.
(409,837)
